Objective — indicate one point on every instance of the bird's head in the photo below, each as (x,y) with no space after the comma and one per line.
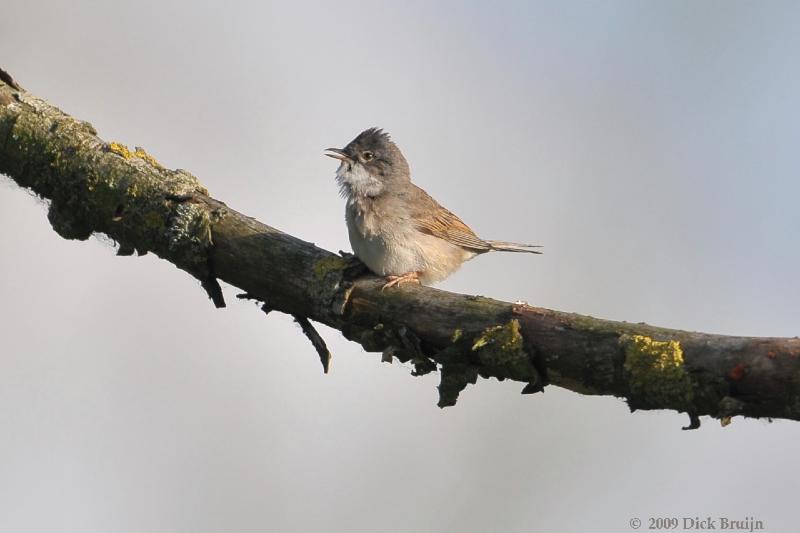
(369,163)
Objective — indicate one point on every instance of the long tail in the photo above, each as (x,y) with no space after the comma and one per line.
(514,247)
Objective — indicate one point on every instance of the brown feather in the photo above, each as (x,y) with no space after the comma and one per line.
(430,217)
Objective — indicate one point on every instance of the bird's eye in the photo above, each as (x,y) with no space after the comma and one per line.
(368,156)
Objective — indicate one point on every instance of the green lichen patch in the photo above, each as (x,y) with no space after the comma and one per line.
(326,265)
(656,373)
(500,349)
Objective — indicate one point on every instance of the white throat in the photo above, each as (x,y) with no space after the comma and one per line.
(354,181)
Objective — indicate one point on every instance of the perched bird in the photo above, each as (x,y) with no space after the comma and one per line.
(395,227)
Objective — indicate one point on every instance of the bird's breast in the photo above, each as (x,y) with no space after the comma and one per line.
(367,237)
(362,219)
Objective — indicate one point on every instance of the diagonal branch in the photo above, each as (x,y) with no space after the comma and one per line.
(97,186)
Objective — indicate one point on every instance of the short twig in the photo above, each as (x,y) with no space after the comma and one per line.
(211,285)
(214,291)
(316,340)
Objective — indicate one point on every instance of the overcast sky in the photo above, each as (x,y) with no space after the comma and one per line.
(651,147)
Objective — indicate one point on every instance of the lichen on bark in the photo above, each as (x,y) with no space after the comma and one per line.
(497,351)
(500,350)
(94,186)
(656,373)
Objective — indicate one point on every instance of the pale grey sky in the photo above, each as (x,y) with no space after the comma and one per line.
(651,147)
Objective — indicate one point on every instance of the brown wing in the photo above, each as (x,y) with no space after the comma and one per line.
(431,218)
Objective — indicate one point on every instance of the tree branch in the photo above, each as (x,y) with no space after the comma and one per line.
(97,186)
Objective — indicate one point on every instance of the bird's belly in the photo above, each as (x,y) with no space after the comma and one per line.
(394,253)
(385,255)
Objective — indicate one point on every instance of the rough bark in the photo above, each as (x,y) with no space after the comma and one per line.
(96,186)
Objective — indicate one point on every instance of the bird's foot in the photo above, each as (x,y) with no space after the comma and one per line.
(410,277)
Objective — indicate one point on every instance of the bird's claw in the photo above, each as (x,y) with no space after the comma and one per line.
(394,281)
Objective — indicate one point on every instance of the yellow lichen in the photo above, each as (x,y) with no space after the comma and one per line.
(657,375)
(142,154)
(120,149)
(500,348)
(505,337)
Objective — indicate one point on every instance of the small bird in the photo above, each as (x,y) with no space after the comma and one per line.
(395,227)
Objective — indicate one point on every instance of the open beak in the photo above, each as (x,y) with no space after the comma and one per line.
(338,154)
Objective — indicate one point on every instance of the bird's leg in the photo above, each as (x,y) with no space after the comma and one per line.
(408,277)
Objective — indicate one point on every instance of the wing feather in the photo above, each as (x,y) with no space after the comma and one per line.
(431,218)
